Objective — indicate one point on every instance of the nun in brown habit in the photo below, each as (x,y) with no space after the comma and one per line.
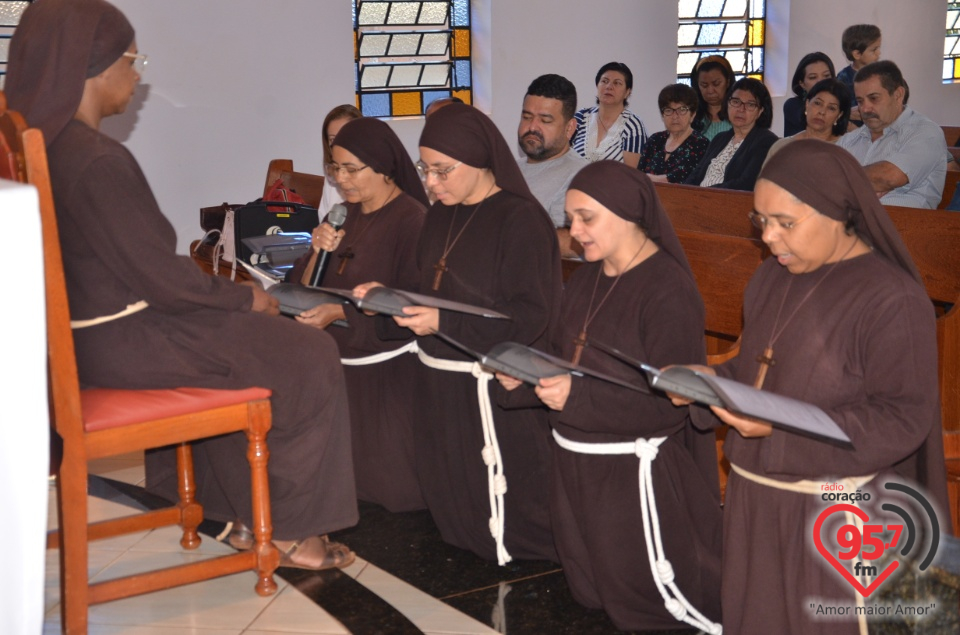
(841,311)
(153,319)
(487,242)
(386,206)
(636,293)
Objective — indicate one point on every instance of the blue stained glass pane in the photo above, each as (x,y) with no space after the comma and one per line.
(375,105)
(430,96)
(461,12)
(758,8)
(947,70)
(710,34)
(461,74)
(710,9)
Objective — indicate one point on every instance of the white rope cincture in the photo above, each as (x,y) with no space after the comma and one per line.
(496,480)
(660,568)
(409,347)
(130,309)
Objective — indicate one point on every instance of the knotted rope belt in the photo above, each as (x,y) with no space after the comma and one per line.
(496,481)
(660,568)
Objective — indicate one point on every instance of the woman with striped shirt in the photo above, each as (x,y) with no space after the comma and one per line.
(608,130)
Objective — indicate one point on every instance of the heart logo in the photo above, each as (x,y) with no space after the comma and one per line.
(829,557)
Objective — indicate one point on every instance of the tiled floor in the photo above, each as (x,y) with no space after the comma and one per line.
(225,606)
(405,580)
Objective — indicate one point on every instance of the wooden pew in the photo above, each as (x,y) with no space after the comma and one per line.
(715,231)
(952,135)
(309,186)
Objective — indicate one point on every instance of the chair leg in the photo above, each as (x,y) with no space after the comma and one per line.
(268,557)
(191,512)
(72,507)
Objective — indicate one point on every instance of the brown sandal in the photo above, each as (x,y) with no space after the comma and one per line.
(335,555)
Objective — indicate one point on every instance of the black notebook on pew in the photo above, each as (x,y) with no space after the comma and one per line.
(530,365)
(392,302)
(782,412)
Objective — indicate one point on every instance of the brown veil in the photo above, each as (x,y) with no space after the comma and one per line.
(630,194)
(56,47)
(464,133)
(830,180)
(376,144)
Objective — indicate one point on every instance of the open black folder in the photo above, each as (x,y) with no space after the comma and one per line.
(392,302)
(530,365)
(295,298)
(782,412)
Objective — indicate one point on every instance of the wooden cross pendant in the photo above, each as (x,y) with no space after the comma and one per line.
(580,341)
(766,361)
(441,266)
(344,257)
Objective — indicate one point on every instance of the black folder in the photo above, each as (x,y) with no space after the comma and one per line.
(530,365)
(392,302)
(782,412)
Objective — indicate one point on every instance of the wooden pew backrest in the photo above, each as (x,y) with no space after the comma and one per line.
(309,186)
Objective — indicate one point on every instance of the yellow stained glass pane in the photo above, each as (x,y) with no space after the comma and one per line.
(465,95)
(756,32)
(956,68)
(406,104)
(461,43)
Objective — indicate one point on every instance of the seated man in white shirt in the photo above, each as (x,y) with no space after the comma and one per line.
(546,126)
(902,151)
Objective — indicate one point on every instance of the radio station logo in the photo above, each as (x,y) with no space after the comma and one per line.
(856,547)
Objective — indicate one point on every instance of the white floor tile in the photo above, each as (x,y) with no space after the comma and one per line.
(52,627)
(229,602)
(427,613)
(167,539)
(293,612)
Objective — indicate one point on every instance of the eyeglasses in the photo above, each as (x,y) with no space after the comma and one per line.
(760,221)
(668,112)
(139,61)
(442,174)
(738,103)
(333,169)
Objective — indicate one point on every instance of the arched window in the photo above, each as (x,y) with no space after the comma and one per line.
(410,53)
(951,44)
(732,28)
(10,12)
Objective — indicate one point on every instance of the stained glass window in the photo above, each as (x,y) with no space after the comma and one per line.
(951,44)
(409,54)
(732,28)
(9,19)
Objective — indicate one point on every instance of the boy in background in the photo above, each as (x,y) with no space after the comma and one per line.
(861,45)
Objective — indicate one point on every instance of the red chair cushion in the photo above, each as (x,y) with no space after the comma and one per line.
(105,408)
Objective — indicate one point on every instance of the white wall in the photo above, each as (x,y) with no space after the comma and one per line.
(234,83)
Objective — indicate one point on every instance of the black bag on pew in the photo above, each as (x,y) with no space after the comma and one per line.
(261,218)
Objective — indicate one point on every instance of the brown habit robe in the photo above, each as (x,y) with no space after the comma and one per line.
(379,246)
(863,348)
(654,314)
(381,394)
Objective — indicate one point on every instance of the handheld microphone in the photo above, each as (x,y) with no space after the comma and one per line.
(336,218)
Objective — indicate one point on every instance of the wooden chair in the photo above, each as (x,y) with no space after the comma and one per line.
(96,423)
(309,186)
(11,153)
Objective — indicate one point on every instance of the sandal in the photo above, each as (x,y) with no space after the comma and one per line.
(318,553)
(240,537)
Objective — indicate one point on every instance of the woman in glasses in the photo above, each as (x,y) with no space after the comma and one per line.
(672,154)
(386,205)
(734,158)
(332,123)
(148,318)
(487,242)
(837,317)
